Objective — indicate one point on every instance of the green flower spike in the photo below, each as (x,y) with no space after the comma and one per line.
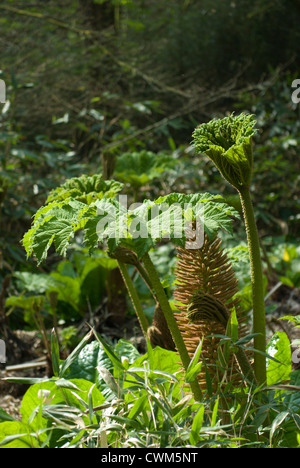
(228,143)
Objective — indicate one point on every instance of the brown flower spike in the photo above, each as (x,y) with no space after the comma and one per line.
(205,290)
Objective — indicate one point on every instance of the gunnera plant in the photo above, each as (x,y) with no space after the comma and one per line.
(228,143)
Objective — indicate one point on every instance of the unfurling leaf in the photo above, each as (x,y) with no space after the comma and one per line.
(228,143)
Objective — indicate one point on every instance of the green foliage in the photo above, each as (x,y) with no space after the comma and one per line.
(294,319)
(279,347)
(86,189)
(62,215)
(276,156)
(228,143)
(285,259)
(106,395)
(138,228)
(77,284)
(122,79)
(224,133)
(138,169)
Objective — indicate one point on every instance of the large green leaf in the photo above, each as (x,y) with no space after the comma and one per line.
(138,169)
(176,216)
(16,434)
(37,283)
(106,219)
(208,210)
(143,226)
(55,400)
(35,396)
(30,303)
(86,189)
(280,349)
(68,289)
(95,356)
(54,223)
(228,143)
(125,349)
(160,360)
(85,364)
(62,216)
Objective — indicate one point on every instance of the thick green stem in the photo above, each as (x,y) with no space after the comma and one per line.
(171,321)
(259,324)
(134,297)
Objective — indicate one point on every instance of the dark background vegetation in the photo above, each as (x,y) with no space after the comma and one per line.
(90,80)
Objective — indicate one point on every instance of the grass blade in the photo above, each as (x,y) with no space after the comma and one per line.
(194,367)
(55,353)
(71,358)
(197,425)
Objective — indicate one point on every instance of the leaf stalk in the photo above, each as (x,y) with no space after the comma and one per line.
(171,321)
(259,323)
